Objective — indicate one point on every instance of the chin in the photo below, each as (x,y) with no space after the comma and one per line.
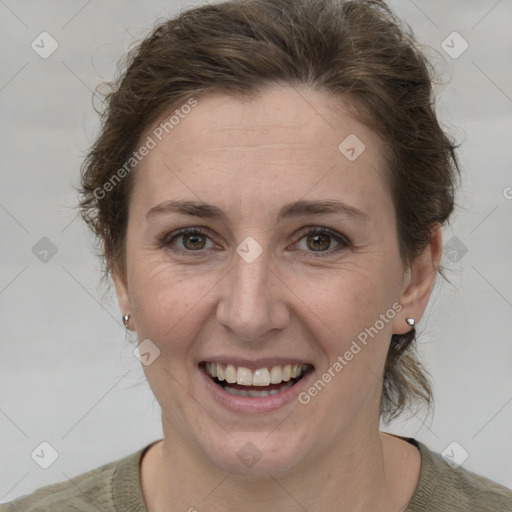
(258,454)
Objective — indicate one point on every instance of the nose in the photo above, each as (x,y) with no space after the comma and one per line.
(253,300)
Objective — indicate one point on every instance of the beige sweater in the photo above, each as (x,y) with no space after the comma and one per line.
(115,487)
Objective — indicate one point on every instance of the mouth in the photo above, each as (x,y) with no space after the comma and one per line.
(255,383)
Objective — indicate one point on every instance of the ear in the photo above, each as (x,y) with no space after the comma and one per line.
(123,297)
(419,281)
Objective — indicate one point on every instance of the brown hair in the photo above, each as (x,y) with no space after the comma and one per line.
(353,49)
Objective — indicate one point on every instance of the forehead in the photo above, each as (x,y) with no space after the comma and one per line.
(284,144)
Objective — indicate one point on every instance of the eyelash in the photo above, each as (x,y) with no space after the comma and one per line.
(169,238)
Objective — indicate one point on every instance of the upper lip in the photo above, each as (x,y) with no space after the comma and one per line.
(254,364)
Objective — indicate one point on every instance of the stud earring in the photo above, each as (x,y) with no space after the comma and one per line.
(410,321)
(126,319)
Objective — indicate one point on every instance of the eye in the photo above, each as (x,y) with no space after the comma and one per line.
(189,240)
(320,240)
(194,241)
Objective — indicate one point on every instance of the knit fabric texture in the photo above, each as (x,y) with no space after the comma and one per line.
(116,487)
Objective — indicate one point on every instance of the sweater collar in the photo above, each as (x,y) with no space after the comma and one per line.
(128,496)
(126,483)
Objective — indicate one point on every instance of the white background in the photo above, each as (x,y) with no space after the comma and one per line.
(68,375)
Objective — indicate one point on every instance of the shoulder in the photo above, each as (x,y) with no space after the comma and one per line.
(446,487)
(97,489)
(82,492)
(90,488)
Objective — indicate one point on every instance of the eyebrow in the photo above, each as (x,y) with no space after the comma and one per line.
(290,210)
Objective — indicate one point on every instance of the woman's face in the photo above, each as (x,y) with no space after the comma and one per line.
(258,286)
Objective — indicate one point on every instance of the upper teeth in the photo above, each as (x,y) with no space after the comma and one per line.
(260,377)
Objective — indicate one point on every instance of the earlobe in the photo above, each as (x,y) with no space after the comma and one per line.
(419,284)
(122,296)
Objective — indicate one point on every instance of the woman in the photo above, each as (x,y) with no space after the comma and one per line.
(269,189)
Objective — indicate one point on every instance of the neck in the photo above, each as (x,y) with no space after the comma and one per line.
(364,471)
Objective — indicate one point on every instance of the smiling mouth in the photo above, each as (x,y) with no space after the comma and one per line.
(242,381)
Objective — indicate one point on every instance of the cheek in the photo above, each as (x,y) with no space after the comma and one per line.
(347,300)
(346,309)
(354,341)
(168,304)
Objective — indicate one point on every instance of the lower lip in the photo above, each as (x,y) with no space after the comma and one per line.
(255,404)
